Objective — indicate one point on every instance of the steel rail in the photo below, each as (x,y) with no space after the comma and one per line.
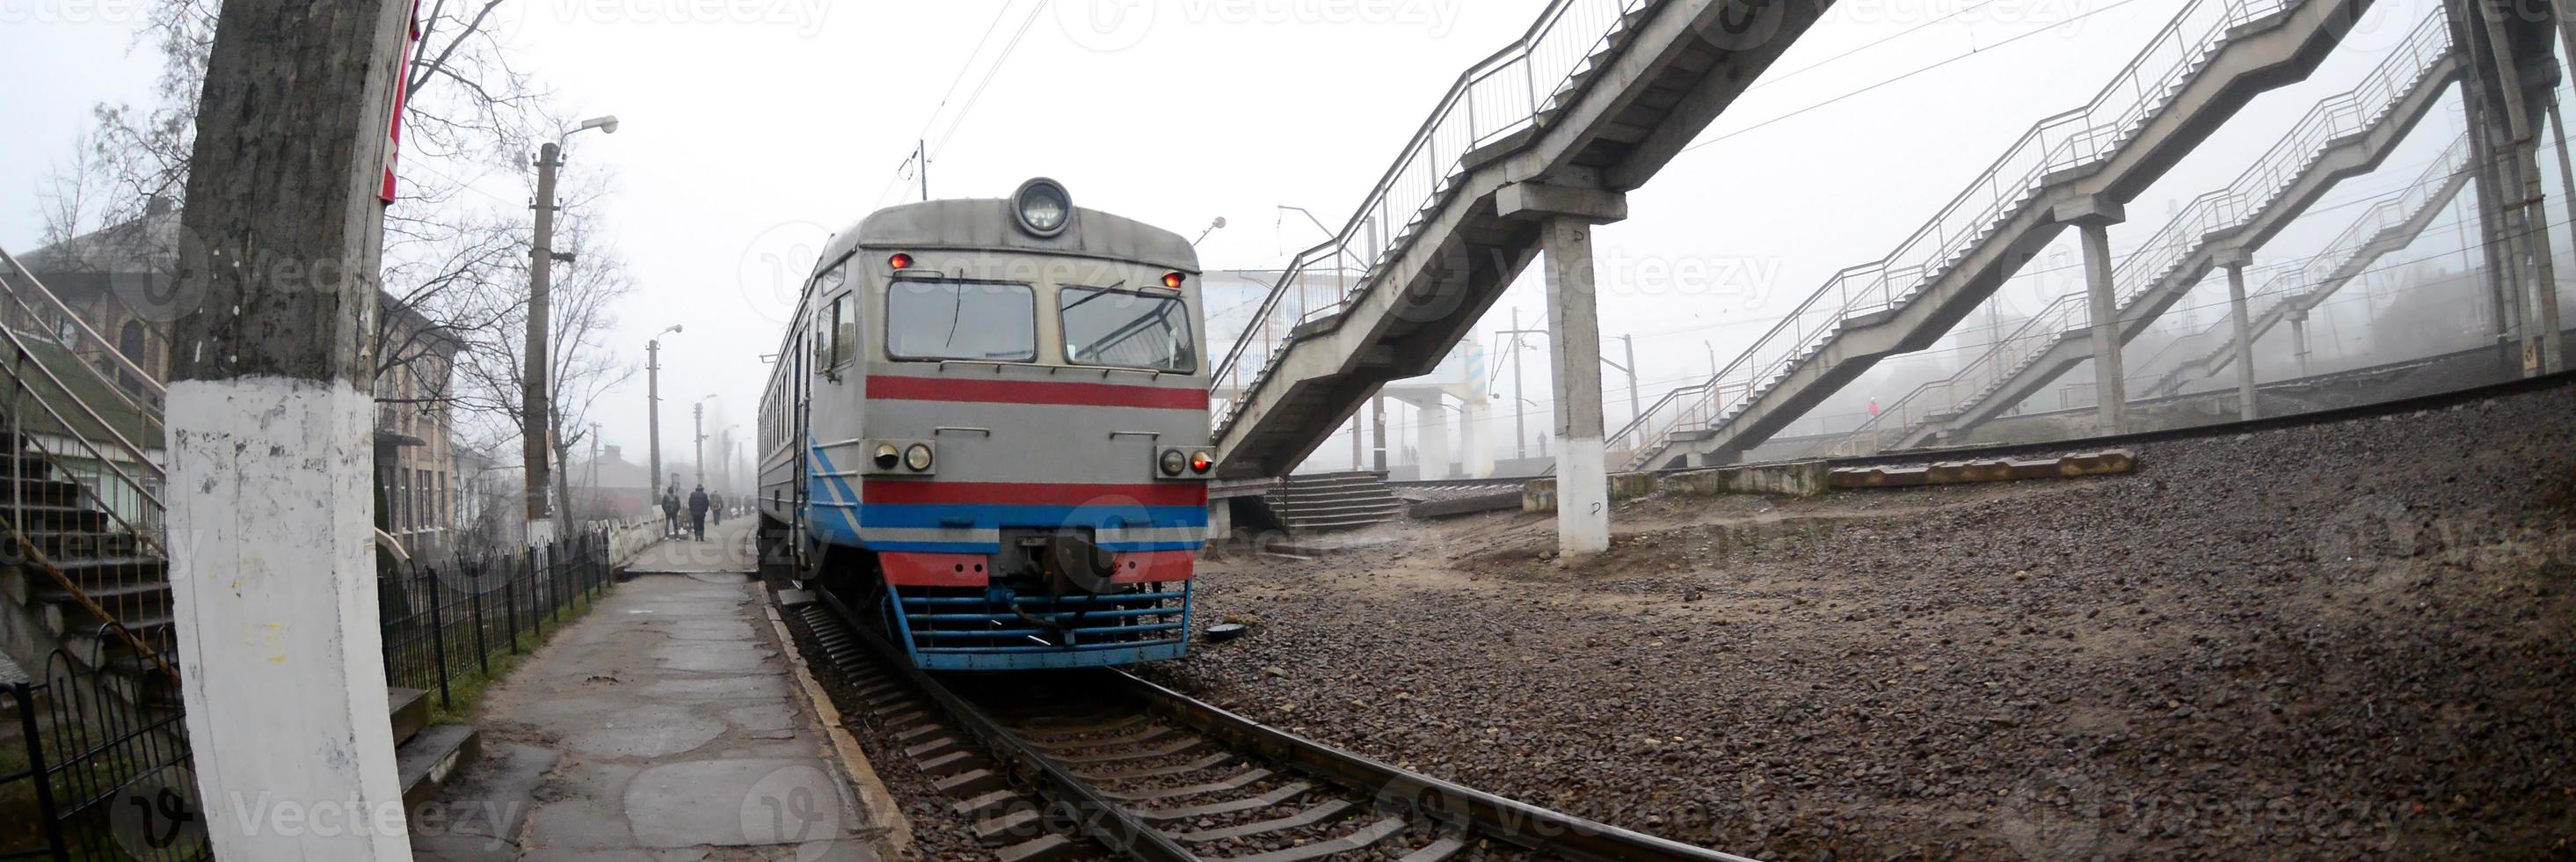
(1099,818)
(1517,823)
(1115,827)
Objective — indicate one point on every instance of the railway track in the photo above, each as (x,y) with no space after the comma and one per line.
(1105,764)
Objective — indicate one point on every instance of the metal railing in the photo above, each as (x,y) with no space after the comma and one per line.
(1506,93)
(109,776)
(118,481)
(2072,141)
(2388,224)
(445,622)
(2206,221)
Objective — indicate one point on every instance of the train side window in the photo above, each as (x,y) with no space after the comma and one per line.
(845,330)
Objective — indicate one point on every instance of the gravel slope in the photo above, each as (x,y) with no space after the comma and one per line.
(2323,643)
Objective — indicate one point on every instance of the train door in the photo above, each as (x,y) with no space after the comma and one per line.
(799,412)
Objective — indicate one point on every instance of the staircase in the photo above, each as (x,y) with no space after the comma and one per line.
(2194,74)
(85,581)
(1332,502)
(1595,98)
(2388,226)
(2343,136)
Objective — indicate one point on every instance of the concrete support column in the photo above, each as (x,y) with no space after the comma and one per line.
(1220,520)
(1377,420)
(1435,439)
(2094,218)
(1574,348)
(1565,215)
(2299,337)
(1478,459)
(271,443)
(2235,260)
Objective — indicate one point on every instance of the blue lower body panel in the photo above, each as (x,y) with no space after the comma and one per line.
(997,629)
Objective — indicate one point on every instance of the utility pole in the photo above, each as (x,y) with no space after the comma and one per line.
(595,496)
(533,423)
(1636,408)
(1520,403)
(653,408)
(921,163)
(699,447)
(270,450)
(536,423)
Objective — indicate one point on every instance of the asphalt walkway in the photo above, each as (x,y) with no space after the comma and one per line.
(661,727)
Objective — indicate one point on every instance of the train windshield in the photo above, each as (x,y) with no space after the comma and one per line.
(970,320)
(1128,330)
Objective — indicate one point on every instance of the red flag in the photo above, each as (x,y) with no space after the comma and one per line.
(402,90)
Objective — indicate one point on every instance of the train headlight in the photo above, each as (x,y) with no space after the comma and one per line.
(887,456)
(1174,462)
(1043,206)
(917,457)
(1202,462)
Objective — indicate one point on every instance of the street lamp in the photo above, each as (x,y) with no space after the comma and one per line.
(534,422)
(700,450)
(653,401)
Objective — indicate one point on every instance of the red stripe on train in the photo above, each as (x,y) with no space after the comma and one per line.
(1028,494)
(1036,392)
(967,570)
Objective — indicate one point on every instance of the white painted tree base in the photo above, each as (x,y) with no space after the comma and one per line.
(1582,498)
(273,579)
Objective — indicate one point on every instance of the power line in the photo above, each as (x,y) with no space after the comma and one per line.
(1970,53)
(989,72)
(963,67)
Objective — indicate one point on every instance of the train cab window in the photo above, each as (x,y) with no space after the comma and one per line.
(1127,330)
(933,319)
(843,336)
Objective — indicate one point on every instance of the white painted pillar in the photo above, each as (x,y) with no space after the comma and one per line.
(271,439)
(1574,348)
(1475,414)
(2094,218)
(1434,450)
(2299,336)
(1220,520)
(2235,259)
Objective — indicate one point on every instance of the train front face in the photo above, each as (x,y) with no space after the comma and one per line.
(1030,482)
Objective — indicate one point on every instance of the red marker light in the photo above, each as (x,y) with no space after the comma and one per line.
(1174,280)
(900,261)
(1201,463)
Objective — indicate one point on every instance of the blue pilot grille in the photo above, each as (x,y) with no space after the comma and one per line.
(977,629)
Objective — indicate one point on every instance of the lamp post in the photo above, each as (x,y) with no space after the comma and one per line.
(699,446)
(653,404)
(534,424)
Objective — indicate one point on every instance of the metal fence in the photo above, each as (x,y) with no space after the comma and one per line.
(101,769)
(445,622)
(99,766)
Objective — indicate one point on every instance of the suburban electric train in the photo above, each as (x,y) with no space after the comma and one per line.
(987,430)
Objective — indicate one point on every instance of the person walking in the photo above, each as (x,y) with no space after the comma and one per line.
(698,512)
(715,509)
(671,512)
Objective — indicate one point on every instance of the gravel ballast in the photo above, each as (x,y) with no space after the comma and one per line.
(2333,642)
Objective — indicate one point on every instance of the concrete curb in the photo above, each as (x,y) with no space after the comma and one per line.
(894,839)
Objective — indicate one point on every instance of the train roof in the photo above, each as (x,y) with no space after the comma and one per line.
(989,224)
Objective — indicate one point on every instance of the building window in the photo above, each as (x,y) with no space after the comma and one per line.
(129,341)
